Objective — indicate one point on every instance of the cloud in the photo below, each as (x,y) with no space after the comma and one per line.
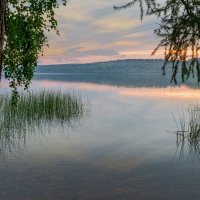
(92,29)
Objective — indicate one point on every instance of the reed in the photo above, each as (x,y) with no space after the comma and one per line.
(40,110)
(188,131)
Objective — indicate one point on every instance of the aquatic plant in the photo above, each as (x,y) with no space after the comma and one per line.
(41,111)
(188,132)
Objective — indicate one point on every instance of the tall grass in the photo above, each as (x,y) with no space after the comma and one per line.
(188,132)
(36,111)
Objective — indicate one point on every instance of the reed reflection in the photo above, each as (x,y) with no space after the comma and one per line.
(188,133)
(36,112)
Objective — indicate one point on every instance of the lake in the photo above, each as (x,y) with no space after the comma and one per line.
(129,143)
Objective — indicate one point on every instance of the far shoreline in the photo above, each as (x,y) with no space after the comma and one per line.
(101,62)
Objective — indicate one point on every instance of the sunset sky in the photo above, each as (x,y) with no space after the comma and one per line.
(92,31)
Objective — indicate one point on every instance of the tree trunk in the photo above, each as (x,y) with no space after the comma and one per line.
(3,6)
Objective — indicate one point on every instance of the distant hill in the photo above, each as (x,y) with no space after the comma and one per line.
(136,66)
(128,73)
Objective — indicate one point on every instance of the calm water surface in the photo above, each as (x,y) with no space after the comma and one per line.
(123,148)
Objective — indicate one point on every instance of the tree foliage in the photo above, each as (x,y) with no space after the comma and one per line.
(179,33)
(26,22)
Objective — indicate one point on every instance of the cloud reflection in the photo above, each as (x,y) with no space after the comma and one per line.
(178,92)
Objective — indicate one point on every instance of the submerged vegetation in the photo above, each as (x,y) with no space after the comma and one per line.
(188,132)
(41,111)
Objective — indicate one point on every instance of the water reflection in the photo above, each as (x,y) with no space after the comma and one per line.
(38,111)
(120,151)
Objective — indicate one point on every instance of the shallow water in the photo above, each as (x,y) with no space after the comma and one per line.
(123,148)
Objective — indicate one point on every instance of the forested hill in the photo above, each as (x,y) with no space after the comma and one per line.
(128,73)
(136,66)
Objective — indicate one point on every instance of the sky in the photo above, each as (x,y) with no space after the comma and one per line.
(92,31)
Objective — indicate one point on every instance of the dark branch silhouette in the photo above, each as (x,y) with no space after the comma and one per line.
(179,33)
